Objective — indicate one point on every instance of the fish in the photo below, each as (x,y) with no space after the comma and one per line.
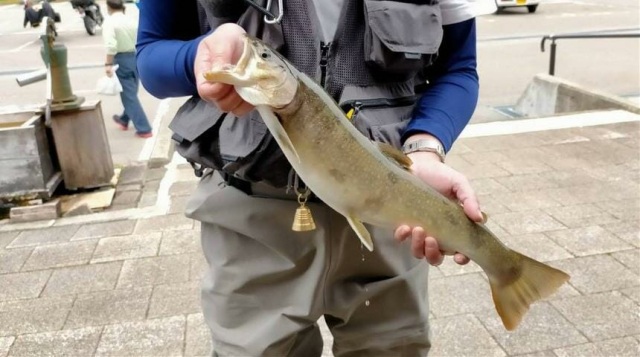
(371,183)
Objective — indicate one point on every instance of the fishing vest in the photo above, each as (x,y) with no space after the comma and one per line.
(373,69)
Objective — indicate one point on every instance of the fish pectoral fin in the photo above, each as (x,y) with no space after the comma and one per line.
(277,130)
(395,155)
(361,232)
(514,293)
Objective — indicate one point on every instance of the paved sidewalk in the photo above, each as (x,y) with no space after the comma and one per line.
(128,285)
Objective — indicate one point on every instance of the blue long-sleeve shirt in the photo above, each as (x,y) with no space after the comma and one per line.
(169,34)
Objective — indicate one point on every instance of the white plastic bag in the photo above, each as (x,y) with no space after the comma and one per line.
(109,85)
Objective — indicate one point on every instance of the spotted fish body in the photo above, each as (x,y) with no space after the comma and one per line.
(357,179)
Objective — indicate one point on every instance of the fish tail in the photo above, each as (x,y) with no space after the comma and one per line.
(513,295)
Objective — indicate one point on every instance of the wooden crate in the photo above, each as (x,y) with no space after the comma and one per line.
(82,146)
(27,168)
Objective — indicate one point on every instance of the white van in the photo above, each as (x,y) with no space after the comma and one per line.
(532,5)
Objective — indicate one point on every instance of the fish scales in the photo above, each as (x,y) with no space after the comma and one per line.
(354,177)
(358,174)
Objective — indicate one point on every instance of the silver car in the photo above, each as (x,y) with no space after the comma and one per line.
(532,5)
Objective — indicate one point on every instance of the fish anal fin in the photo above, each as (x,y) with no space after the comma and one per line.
(277,130)
(513,297)
(395,155)
(361,232)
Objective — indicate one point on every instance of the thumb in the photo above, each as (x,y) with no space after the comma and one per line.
(467,197)
(223,46)
(220,53)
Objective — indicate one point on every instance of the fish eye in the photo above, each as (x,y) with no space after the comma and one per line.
(264,55)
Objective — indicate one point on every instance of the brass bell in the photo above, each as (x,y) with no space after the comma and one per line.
(303,220)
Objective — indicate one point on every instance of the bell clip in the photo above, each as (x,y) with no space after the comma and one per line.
(303,220)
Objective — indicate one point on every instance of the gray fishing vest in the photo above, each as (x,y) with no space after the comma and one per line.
(372,68)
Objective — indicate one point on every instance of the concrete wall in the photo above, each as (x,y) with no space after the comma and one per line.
(548,95)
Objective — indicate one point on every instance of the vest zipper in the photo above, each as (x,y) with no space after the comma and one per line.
(324,61)
(352,107)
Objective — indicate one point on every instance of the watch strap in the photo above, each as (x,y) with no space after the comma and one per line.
(426,145)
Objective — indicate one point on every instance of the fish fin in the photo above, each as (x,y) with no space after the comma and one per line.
(361,232)
(395,155)
(277,130)
(513,297)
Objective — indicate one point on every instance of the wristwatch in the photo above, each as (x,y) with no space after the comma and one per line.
(424,145)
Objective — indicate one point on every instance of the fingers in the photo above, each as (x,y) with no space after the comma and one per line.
(422,246)
(432,252)
(417,242)
(243,109)
(230,100)
(401,233)
(223,46)
(467,197)
(425,247)
(461,259)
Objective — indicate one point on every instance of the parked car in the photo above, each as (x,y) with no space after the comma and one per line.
(532,5)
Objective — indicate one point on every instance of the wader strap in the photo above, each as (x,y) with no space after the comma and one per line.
(262,190)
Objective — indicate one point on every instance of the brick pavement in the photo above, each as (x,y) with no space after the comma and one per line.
(127,284)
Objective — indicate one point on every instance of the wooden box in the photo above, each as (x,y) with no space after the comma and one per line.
(82,146)
(27,168)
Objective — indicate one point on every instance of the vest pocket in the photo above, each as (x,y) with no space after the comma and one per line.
(382,115)
(209,137)
(401,37)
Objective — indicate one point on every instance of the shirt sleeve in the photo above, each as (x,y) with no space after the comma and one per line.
(109,37)
(449,101)
(168,37)
(455,11)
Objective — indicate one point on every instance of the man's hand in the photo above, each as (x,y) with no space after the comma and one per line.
(108,70)
(452,184)
(223,46)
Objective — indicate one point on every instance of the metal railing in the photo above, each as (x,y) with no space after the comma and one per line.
(553,38)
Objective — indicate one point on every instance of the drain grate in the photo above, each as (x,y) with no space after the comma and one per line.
(508,111)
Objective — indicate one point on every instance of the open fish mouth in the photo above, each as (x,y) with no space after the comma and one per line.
(260,77)
(234,74)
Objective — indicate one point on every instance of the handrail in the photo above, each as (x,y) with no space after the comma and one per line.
(553,38)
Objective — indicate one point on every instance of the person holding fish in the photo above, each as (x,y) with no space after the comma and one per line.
(287,124)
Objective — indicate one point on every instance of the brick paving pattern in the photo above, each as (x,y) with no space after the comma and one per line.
(130,287)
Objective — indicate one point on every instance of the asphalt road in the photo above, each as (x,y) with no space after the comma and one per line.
(508,57)
(509,52)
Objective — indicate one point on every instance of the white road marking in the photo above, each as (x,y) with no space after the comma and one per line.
(163,203)
(20,48)
(7,7)
(549,123)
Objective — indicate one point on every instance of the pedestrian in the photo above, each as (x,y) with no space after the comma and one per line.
(119,35)
(405,72)
(32,16)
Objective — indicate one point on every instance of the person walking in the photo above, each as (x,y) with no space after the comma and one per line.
(119,35)
(405,73)
(32,16)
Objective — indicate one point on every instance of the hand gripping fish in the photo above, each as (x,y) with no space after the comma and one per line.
(369,183)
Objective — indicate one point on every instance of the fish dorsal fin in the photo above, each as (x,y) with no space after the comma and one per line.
(395,155)
(361,231)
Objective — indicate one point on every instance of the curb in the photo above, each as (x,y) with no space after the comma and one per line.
(164,146)
(548,95)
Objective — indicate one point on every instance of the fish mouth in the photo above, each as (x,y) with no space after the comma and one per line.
(234,74)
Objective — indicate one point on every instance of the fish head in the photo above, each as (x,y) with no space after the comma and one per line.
(261,76)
